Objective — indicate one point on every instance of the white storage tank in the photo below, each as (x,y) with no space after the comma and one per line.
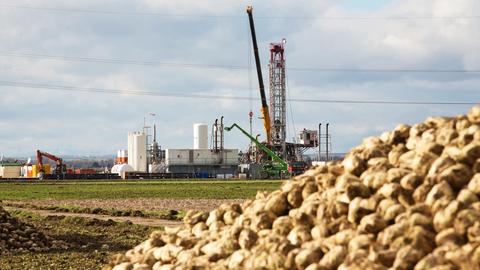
(200,136)
(122,169)
(122,157)
(137,151)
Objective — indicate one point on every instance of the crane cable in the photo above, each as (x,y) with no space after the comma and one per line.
(290,106)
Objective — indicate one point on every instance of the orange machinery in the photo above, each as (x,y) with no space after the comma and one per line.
(60,168)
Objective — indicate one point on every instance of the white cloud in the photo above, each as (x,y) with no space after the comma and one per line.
(89,123)
(207,7)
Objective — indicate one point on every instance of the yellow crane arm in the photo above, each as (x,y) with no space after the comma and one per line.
(265,111)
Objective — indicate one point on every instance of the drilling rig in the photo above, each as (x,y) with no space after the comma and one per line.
(278,98)
(274,113)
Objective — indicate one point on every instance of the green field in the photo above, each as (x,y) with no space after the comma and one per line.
(168,189)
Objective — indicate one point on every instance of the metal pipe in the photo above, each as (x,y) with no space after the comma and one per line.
(327,142)
(144,123)
(221,133)
(319,142)
(154,133)
(212,139)
(215,135)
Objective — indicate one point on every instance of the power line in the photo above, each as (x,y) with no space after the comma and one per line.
(211,96)
(217,66)
(117,61)
(385,70)
(384,102)
(113,12)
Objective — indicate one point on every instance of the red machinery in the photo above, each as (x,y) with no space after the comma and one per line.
(60,168)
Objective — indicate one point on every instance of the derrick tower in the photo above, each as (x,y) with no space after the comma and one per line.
(278,97)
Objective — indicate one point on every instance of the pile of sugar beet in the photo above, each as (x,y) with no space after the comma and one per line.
(409,199)
(16,236)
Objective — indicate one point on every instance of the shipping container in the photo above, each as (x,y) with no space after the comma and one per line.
(201,157)
(10,170)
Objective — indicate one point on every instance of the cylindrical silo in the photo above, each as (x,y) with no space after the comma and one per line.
(131,150)
(119,157)
(137,151)
(140,142)
(200,136)
(122,157)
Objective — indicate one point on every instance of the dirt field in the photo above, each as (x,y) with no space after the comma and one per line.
(145,221)
(91,241)
(93,237)
(99,219)
(120,204)
(149,204)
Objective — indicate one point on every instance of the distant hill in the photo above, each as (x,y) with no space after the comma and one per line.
(75,161)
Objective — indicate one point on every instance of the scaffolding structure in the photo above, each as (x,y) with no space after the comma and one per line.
(278,97)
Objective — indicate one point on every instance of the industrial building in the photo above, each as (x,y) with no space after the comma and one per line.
(17,170)
(10,170)
(200,161)
(203,162)
(274,158)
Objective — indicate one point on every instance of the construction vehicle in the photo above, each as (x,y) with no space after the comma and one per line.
(60,168)
(297,167)
(265,111)
(277,168)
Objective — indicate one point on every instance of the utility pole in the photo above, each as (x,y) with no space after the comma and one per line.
(319,142)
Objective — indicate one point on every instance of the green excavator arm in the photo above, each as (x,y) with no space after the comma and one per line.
(281,164)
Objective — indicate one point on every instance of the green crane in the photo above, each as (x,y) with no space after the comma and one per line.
(278,165)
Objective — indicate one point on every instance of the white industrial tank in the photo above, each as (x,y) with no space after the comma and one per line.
(137,151)
(200,136)
(122,157)
(121,168)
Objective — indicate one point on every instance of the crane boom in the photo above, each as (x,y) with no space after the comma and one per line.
(265,111)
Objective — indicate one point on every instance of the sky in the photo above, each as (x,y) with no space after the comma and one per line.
(42,41)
